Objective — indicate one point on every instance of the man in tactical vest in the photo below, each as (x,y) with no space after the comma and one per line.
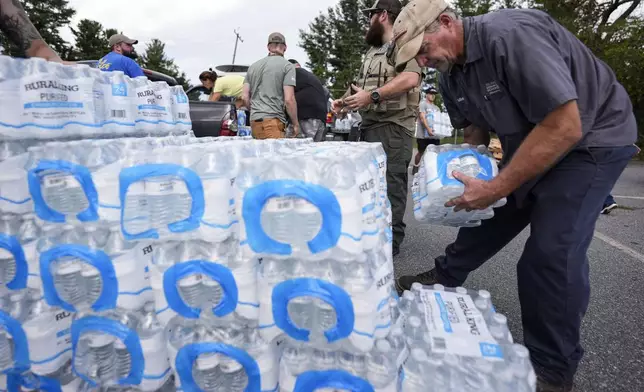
(388,103)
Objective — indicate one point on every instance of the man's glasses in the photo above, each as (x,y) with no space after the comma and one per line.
(375,12)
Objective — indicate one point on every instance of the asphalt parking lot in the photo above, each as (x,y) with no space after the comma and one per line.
(613,329)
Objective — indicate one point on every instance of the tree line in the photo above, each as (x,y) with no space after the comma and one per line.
(90,38)
(612,29)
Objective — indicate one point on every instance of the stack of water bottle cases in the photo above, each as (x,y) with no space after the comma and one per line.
(136,257)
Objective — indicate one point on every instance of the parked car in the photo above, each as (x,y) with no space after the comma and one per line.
(208,118)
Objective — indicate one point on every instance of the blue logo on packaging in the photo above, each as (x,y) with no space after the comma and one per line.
(119,90)
(490,350)
(182,98)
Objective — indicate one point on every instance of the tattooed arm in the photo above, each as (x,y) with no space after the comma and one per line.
(15,23)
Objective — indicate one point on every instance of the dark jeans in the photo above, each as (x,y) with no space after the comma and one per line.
(397,144)
(561,210)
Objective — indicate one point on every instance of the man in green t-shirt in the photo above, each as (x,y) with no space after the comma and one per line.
(269,88)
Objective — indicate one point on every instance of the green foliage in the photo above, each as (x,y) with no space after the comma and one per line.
(48,16)
(612,29)
(91,40)
(155,59)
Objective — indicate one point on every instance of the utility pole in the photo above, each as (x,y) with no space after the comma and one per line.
(237,39)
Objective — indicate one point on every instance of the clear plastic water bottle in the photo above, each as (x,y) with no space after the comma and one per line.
(416,289)
(484,304)
(381,365)
(47,332)
(6,351)
(153,343)
(499,330)
(414,331)
(301,309)
(9,225)
(10,149)
(406,304)
(416,380)
(308,220)
(325,315)
(396,339)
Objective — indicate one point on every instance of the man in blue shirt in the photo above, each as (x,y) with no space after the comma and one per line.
(119,58)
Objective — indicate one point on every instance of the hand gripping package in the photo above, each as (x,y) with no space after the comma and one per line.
(434,184)
(46,100)
(320,280)
(207,357)
(458,342)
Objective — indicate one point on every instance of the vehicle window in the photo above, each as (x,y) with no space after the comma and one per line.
(198,93)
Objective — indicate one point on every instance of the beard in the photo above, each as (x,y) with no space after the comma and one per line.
(131,54)
(374,34)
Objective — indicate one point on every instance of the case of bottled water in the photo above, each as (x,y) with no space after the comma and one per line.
(71,181)
(458,342)
(303,368)
(207,357)
(326,270)
(434,184)
(191,277)
(34,338)
(91,266)
(118,347)
(47,100)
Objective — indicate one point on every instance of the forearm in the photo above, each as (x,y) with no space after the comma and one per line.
(541,149)
(476,136)
(39,48)
(399,85)
(291,109)
(423,120)
(16,25)
(214,97)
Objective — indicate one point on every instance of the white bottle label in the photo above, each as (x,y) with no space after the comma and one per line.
(383,280)
(152,104)
(49,341)
(49,101)
(162,187)
(133,276)
(456,325)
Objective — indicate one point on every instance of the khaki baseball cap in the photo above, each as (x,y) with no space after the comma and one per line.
(391,6)
(276,38)
(410,26)
(118,38)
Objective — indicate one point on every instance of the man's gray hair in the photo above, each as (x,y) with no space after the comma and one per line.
(435,25)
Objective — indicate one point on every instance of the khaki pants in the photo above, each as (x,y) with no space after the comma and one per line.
(268,128)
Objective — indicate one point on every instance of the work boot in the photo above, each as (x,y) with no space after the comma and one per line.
(543,386)
(427,278)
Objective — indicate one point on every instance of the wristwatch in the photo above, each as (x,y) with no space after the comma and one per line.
(375,96)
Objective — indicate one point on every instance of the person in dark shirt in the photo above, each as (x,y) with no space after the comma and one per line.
(567,129)
(311,98)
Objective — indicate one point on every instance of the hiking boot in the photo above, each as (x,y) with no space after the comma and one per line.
(427,278)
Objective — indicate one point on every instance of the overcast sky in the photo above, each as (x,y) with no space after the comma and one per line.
(199,33)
